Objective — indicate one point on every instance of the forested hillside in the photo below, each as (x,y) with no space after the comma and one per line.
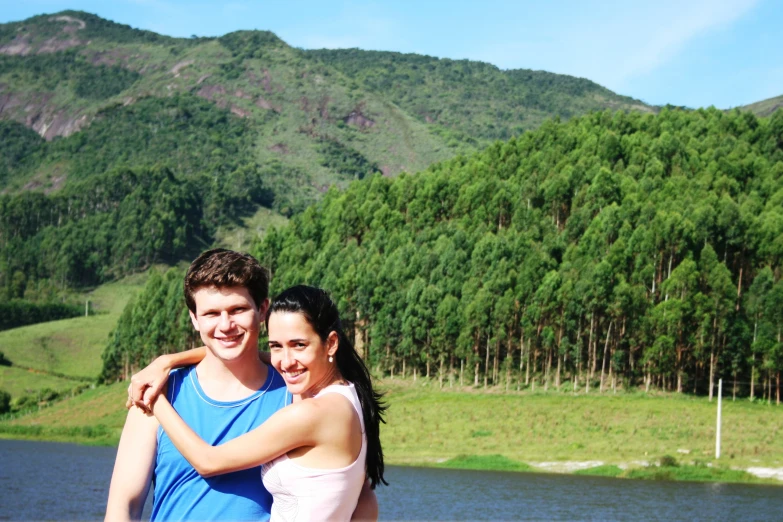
(617,249)
(122,148)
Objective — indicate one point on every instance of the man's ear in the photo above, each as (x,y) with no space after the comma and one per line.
(194,320)
(332,343)
(263,308)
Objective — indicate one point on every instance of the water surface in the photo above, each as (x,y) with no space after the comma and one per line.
(54,481)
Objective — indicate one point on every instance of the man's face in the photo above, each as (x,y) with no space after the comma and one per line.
(228,321)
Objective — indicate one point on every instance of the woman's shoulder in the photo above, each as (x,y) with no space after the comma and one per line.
(340,399)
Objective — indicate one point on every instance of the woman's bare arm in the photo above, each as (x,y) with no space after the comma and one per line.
(367,506)
(148,383)
(297,425)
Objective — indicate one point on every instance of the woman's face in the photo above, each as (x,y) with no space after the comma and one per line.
(299,354)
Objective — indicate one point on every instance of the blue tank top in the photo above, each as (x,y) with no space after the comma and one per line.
(180,492)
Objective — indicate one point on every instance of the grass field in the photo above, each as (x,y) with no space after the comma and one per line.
(20,381)
(95,416)
(515,431)
(425,425)
(65,348)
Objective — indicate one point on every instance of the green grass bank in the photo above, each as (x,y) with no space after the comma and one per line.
(624,435)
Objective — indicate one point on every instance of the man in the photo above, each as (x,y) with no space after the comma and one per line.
(230,392)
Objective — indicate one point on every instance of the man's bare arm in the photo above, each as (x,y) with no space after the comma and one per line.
(133,467)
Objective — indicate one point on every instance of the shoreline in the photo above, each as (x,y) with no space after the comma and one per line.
(756,475)
(623,435)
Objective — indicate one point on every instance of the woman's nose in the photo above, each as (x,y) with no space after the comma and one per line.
(288,360)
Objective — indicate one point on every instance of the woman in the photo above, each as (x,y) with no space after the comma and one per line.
(316,451)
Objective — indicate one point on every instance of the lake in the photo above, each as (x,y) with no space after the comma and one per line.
(53,481)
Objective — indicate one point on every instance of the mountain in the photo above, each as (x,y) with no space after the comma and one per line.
(325,116)
(764,107)
(122,148)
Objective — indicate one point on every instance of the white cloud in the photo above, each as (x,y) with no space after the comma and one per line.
(677,27)
(615,45)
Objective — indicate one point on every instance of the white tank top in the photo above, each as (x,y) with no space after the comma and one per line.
(303,494)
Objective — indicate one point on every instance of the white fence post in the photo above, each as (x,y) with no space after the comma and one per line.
(717,431)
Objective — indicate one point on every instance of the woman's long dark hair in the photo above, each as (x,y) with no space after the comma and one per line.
(321,312)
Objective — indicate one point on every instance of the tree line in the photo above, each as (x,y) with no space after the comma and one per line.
(17,312)
(153,323)
(614,250)
(145,184)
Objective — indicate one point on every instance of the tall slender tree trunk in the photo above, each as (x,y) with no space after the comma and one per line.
(753,361)
(486,364)
(734,389)
(590,347)
(508,373)
(712,370)
(769,387)
(603,361)
(559,340)
(521,352)
(476,367)
(496,364)
(358,339)
(612,369)
(548,366)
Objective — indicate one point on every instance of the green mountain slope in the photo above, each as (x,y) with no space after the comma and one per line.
(147,147)
(477,101)
(330,115)
(764,107)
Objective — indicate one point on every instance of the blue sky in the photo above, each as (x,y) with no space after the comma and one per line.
(684,52)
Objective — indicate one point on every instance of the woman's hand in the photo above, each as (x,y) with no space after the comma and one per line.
(148,383)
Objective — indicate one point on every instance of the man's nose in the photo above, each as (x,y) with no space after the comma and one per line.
(225,321)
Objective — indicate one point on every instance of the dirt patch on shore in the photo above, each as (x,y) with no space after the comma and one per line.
(567,466)
(775,473)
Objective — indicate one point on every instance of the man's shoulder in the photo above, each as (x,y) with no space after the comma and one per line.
(181,371)
(177,378)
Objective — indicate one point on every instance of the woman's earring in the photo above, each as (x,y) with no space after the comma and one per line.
(331,359)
